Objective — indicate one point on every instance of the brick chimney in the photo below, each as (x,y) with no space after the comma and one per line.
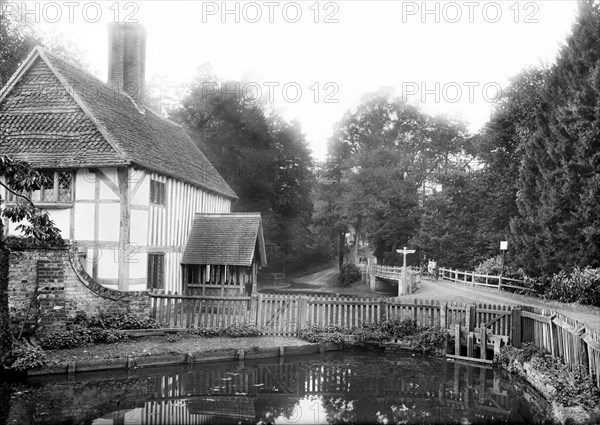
(127,58)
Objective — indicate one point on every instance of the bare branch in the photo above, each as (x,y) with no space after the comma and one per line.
(17,194)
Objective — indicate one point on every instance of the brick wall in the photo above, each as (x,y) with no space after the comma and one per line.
(53,285)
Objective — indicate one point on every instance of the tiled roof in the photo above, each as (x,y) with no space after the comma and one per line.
(41,123)
(226,239)
(135,135)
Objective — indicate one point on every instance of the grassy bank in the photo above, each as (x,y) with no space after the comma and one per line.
(574,398)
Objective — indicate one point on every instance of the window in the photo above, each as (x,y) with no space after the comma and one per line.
(157,192)
(58,188)
(156,271)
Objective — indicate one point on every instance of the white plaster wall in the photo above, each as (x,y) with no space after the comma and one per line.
(139,227)
(138,264)
(108,264)
(62,220)
(84,221)
(108,222)
(84,185)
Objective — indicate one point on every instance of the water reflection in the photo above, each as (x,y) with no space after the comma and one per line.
(332,388)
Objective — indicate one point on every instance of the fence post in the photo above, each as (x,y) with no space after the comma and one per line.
(382,309)
(444,315)
(457,339)
(253,309)
(153,303)
(302,311)
(515,332)
(470,318)
(552,336)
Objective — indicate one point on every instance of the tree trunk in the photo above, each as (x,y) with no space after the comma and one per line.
(356,237)
(5,334)
(341,246)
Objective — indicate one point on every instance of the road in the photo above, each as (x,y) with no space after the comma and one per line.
(325,282)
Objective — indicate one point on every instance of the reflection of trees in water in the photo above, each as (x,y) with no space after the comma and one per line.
(268,408)
(357,388)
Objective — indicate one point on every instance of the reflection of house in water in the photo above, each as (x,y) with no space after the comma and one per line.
(355,388)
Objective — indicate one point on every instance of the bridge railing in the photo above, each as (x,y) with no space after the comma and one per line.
(478,279)
(413,275)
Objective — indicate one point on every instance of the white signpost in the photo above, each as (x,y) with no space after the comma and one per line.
(503,248)
(402,283)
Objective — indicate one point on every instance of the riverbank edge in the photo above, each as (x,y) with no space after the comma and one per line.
(560,414)
(182,358)
(543,383)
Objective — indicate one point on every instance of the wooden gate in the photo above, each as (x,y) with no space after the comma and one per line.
(278,314)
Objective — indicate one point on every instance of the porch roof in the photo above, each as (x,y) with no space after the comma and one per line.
(225,239)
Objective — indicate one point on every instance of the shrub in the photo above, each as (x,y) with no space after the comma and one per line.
(330,333)
(310,333)
(508,354)
(115,321)
(204,332)
(429,340)
(349,274)
(398,328)
(80,336)
(174,337)
(363,335)
(238,330)
(235,330)
(28,355)
(581,285)
(493,267)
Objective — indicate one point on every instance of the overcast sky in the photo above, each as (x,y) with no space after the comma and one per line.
(321,58)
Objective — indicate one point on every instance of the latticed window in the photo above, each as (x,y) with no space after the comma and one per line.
(65,183)
(156,271)
(57,187)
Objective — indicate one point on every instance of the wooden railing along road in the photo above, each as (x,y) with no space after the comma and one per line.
(477,279)
(480,326)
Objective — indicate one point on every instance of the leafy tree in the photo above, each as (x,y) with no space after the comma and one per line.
(499,147)
(559,181)
(263,158)
(19,178)
(18,37)
(450,221)
(384,158)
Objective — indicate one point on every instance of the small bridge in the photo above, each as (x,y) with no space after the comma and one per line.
(391,273)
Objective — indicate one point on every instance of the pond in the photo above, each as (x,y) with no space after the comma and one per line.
(348,387)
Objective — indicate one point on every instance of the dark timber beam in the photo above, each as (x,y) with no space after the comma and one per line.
(124,228)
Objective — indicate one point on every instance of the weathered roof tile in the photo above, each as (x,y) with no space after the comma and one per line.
(225,239)
(62,104)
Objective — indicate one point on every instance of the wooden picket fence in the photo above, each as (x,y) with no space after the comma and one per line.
(563,337)
(285,315)
(477,279)
(187,311)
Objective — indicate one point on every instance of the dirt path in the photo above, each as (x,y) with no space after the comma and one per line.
(325,282)
(449,291)
(325,278)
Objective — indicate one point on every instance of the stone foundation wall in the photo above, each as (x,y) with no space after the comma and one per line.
(54,287)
